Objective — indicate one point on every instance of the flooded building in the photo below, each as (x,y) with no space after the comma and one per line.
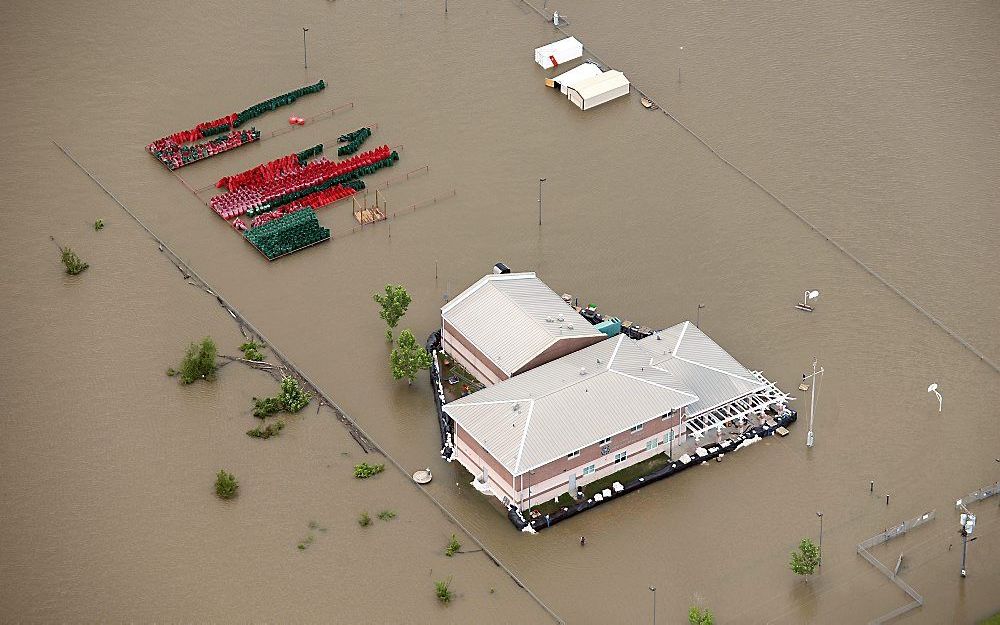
(506,324)
(594,410)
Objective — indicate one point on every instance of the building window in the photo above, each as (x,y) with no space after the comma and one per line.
(587,470)
(668,437)
(574,454)
(636,428)
(621,456)
(604,441)
(651,444)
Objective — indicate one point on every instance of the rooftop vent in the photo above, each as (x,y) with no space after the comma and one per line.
(561,317)
(569,326)
(549,319)
(583,371)
(517,407)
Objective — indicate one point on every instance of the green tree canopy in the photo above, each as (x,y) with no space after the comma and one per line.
(394,303)
(199,361)
(700,616)
(408,358)
(806,559)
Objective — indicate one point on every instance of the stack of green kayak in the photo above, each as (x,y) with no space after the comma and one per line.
(292,232)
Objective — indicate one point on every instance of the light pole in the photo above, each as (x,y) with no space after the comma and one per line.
(679,65)
(812,401)
(820,515)
(697,322)
(540,181)
(806,296)
(653,588)
(933,389)
(968,524)
(305,57)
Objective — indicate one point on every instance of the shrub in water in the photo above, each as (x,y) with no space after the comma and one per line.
(443,591)
(72,262)
(364,520)
(251,350)
(365,470)
(226,484)
(199,361)
(452,547)
(387,515)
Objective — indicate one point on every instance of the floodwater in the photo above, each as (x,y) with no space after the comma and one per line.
(877,123)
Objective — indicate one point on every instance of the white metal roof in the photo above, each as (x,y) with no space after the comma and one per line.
(595,86)
(569,403)
(707,369)
(575,75)
(511,318)
(563,50)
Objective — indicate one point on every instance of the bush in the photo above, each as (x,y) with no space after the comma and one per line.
(99,224)
(452,547)
(199,361)
(291,399)
(226,484)
(251,350)
(387,515)
(443,591)
(72,262)
(699,616)
(271,430)
(364,470)
(364,520)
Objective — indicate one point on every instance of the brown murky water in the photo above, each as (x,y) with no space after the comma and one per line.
(876,123)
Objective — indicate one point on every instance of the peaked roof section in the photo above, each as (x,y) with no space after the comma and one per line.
(712,374)
(511,318)
(569,403)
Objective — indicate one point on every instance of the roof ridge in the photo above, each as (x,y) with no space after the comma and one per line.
(524,436)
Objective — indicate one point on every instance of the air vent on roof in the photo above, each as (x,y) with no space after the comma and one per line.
(658,337)
(549,319)
(562,318)
(583,371)
(517,407)
(569,326)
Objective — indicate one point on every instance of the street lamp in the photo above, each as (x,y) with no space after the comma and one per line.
(653,588)
(305,58)
(933,389)
(812,402)
(697,321)
(806,296)
(968,522)
(540,181)
(820,515)
(679,65)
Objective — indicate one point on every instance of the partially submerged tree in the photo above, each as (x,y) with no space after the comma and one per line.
(72,262)
(408,358)
(199,361)
(700,616)
(442,589)
(226,484)
(393,305)
(806,559)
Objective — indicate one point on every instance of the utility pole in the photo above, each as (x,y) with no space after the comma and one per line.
(653,588)
(697,322)
(540,181)
(305,57)
(810,437)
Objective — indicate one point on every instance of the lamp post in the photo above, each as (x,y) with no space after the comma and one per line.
(540,181)
(820,515)
(812,401)
(697,321)
(933,389)
(968,525)
(679,65)
(305,58)
(806,296)
(653,589)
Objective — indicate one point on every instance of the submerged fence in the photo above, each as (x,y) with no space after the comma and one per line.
(884,537)
(978,495)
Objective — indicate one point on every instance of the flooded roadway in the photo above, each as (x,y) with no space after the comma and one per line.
(878,126)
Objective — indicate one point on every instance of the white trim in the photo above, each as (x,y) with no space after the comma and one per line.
(615,352)
(680,337)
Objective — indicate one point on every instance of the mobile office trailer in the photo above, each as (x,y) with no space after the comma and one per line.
(557,52)
(595,91)
(568,79)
